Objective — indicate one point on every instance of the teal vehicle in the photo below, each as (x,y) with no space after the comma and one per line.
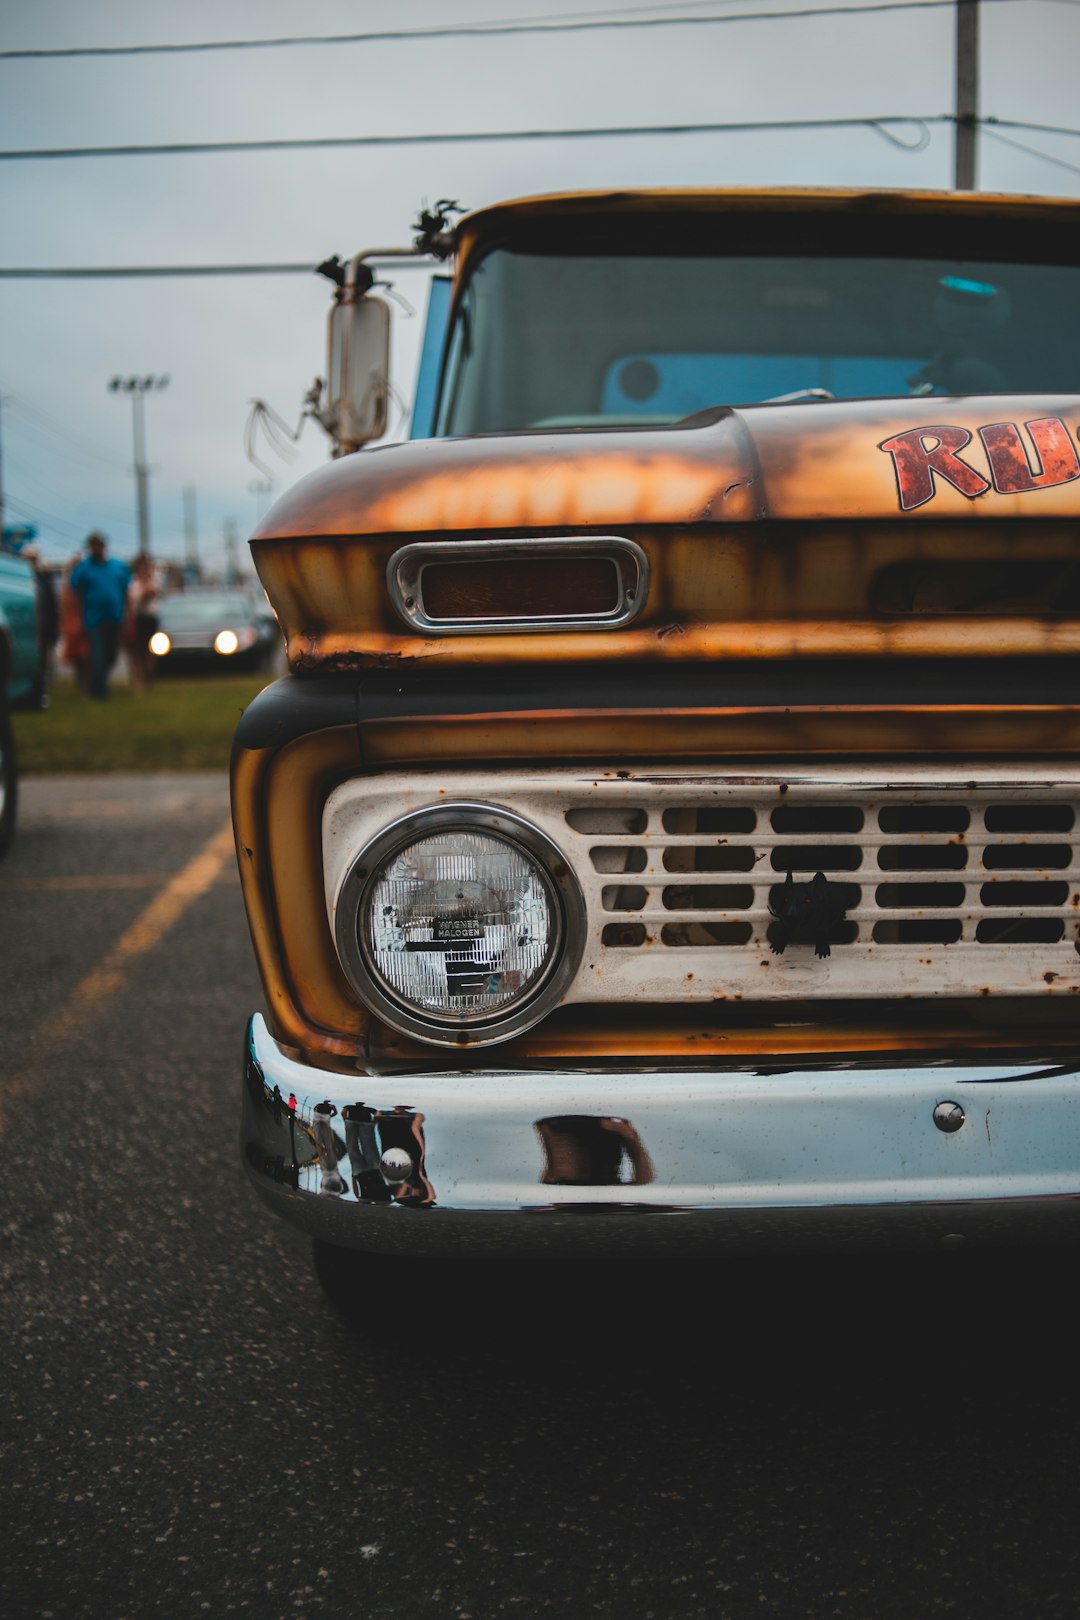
(21,672)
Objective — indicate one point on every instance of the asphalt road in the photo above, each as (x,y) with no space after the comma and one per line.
(187,1428)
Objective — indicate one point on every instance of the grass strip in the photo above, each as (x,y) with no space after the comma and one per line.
(179,725)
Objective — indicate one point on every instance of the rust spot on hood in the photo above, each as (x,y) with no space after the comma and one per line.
(342,663)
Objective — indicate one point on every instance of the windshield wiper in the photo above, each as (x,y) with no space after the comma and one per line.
(798,397)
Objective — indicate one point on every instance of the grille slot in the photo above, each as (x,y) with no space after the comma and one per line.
(608,818)
(618,858)
(919,896)
(791,857)
(817,818)
(1028,818)
(1019,895)
(1019,931)
(922,857)
(918,931)
(689,934)
(709,897)
(924,818)
(709,858)
(1019,857)
(624,897)
(703,819)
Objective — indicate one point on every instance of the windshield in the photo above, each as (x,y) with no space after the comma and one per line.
(205,612)
(545,341)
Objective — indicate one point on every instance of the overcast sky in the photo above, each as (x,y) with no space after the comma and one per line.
(66,441)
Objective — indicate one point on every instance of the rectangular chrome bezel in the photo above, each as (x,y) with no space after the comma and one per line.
(405,581)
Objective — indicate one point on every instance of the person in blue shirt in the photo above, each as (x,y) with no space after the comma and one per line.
(101,584)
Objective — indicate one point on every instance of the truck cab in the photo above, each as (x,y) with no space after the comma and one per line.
(666,837)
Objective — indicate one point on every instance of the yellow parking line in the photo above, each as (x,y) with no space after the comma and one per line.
(103,981)
(155,921)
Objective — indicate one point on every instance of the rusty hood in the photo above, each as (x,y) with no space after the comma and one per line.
(838,460)
(708,496)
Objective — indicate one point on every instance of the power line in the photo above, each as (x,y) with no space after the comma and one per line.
(119,272)
(105,510)
(581,24)
(34,514)
(1035,129)
(128,272)
(881,126)
(1032,151)
(27,411)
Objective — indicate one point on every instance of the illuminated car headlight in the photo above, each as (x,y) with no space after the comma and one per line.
(160,643)
(461,925)
(227,642)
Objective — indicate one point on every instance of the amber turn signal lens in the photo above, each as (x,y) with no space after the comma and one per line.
(521,588)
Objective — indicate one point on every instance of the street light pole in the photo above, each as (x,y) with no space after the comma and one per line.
(191,532)
(137,387)
(232,551)
(142,472)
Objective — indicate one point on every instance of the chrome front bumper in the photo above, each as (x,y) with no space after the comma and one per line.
(665,1161)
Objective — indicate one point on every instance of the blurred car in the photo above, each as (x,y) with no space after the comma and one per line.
(227,628)
(22,671)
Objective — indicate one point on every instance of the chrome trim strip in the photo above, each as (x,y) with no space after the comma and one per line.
(405,582)
(742,1159)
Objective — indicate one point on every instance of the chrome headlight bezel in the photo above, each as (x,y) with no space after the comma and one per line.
(565,899)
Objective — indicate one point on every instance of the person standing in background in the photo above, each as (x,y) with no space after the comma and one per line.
(143,598)
(74,646)
(101,584)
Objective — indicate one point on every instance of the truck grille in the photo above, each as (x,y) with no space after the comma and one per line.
(904,873)
(928,887)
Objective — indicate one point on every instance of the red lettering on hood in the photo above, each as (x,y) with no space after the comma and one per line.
(925,451)
(1013,470)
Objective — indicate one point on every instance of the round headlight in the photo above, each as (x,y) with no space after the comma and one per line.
(160,643)
(226,641)
(461,925)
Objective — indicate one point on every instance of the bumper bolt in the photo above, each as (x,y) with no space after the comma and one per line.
(396,1166)
(948,1116)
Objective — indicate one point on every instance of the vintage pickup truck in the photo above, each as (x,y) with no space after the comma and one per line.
(666,838)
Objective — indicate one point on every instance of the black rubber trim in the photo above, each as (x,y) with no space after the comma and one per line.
(874,225)
(410,690)
(297,705)
(294,706)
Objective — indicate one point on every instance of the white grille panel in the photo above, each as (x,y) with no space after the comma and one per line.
(932,887)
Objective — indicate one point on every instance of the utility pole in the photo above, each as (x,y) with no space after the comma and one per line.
(137,387)
(191,531)
(232,552)
(262,489)
(967,93)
